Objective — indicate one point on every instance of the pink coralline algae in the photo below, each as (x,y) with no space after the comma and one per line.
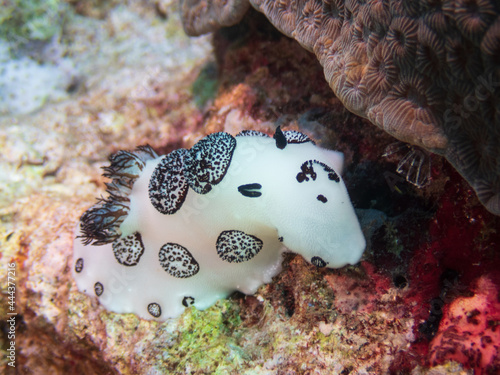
(469,332)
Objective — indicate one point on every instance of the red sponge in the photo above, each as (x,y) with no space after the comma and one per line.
(469,332)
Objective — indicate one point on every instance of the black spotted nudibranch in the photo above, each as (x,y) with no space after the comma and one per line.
(193,226)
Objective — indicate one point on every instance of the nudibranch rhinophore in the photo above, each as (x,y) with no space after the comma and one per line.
(193,226)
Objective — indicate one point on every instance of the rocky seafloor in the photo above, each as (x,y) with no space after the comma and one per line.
(423,300)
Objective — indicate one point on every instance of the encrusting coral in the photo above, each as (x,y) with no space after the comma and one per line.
(426,72)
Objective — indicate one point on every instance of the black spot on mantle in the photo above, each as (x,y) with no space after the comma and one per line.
(322,198)
(250,190)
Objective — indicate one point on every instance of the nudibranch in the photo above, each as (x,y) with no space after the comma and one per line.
(193,226)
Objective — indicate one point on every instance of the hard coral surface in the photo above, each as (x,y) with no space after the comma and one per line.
(425,72)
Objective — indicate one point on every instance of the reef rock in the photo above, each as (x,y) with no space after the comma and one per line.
(426,247)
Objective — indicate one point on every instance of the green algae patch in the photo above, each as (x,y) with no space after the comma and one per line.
(205,87)
(31,19)
(393,240)
(207,341)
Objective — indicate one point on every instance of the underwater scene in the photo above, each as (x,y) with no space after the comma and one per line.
(250,187)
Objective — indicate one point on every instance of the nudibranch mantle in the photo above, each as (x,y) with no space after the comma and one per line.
(193,226)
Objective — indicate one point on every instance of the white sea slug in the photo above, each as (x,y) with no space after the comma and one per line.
(193,226)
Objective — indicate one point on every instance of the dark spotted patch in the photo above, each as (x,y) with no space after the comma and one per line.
(322,198)
(210,159)
(79,265)
(280,138)
(178,261)
(168,185)
(98,289)
(280,239)
(128,250)
(187,301)
(307,170)
(235,246)
(332,175)
(154,309)
(293,136)
(250,190)
(245,133)
(318,262)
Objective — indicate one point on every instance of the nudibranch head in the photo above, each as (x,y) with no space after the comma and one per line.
(195,225)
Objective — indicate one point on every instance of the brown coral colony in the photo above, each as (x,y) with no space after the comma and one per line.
(426,72)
